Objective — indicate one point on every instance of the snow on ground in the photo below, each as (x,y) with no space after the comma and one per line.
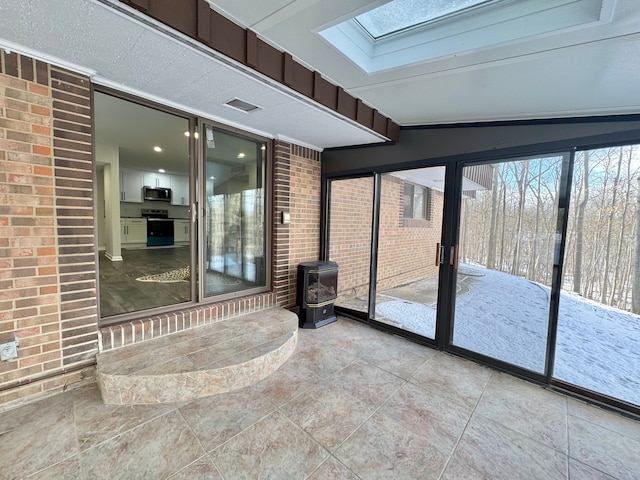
(506,317)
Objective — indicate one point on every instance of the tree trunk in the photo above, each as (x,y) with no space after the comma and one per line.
(618,253)
(635,288)
(491,256)
(582,207)
(607,253)
(522,189)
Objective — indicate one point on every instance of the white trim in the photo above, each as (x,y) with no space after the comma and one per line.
(284,138)
(481,28)
(43,57)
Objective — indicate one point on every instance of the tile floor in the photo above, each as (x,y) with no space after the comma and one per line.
(351,403)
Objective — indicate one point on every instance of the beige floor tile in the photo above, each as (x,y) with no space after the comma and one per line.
(580,471)
(216,419)
(500,453)
(37,436)
(155,449)
(385,449)
(321,359)
(286,383)
(457,469)
(395,359)
(273,448)
(605,450)
(97,422)
(66,470)
(459,380)
(527,409)
(366,382)
(201,469)
(429,415)
(332,469)
(611,420)
(327,413)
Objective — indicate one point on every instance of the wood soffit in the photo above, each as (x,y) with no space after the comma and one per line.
(196,19)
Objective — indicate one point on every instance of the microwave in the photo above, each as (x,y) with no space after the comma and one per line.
(156,194)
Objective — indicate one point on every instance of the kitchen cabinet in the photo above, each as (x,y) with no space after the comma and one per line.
(133,230)
(130,186)
(179,190)
(156,179)
(181,231)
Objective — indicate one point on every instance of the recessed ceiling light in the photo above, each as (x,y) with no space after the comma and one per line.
(241,155)
(157,149)
(186,134)
(161,170)
(241,105)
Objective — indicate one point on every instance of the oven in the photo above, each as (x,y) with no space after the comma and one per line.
(159,227)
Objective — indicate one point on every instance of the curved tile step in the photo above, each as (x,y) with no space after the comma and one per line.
(208,360)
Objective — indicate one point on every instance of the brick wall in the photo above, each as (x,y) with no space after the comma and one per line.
(38,269)
(297,191)
(48,296)
(406,249)
(350,234)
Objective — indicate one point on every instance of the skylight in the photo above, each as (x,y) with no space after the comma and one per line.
(408,32)
(399,15)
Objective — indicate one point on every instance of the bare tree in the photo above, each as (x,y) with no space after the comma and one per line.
(577,265)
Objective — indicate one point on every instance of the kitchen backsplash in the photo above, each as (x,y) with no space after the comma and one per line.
(133,209)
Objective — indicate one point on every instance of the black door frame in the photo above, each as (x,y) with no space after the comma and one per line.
(447,274)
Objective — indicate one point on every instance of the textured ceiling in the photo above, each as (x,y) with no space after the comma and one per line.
(119,51)
(590,70)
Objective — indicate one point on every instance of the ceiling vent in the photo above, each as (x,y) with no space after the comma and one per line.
(242,105)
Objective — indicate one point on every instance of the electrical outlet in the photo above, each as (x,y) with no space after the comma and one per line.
(9,350)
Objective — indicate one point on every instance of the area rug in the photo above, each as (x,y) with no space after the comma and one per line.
(184,275)
(172,276)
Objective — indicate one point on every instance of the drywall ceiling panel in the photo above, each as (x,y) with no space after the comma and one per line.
(249,12)
(122,50)
(583,80)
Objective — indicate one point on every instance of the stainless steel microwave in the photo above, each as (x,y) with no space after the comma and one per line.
(156,194)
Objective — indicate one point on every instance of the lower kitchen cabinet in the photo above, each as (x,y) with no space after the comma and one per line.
(133,230)
(181,231)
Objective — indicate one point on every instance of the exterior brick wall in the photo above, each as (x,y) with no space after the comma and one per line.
(406,248)
(48,294)
(350,234)
(297,191)
(33,277)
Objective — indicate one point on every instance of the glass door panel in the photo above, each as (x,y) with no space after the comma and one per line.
(411,210)
(350,220)
(507,237)
(235,233)
(598,341)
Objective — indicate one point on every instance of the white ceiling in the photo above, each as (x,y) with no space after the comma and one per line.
(118,50)
(591,70)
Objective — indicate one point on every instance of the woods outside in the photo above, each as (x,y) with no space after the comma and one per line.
(512,227)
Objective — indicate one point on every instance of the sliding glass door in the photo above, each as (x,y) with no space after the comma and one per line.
(350,239)
(598,345)
(532,265)
(408,257)
(508,234)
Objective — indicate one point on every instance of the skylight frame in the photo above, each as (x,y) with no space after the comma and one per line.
(480,4)
(489,25)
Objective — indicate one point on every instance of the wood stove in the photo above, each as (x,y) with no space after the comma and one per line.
(317,290)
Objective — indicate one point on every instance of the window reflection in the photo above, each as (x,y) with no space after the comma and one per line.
(235,209)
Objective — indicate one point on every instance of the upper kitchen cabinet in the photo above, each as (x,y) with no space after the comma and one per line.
(179,190)
(156,179)
(130,186)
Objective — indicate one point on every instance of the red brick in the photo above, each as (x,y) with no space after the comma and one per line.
(41,150)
